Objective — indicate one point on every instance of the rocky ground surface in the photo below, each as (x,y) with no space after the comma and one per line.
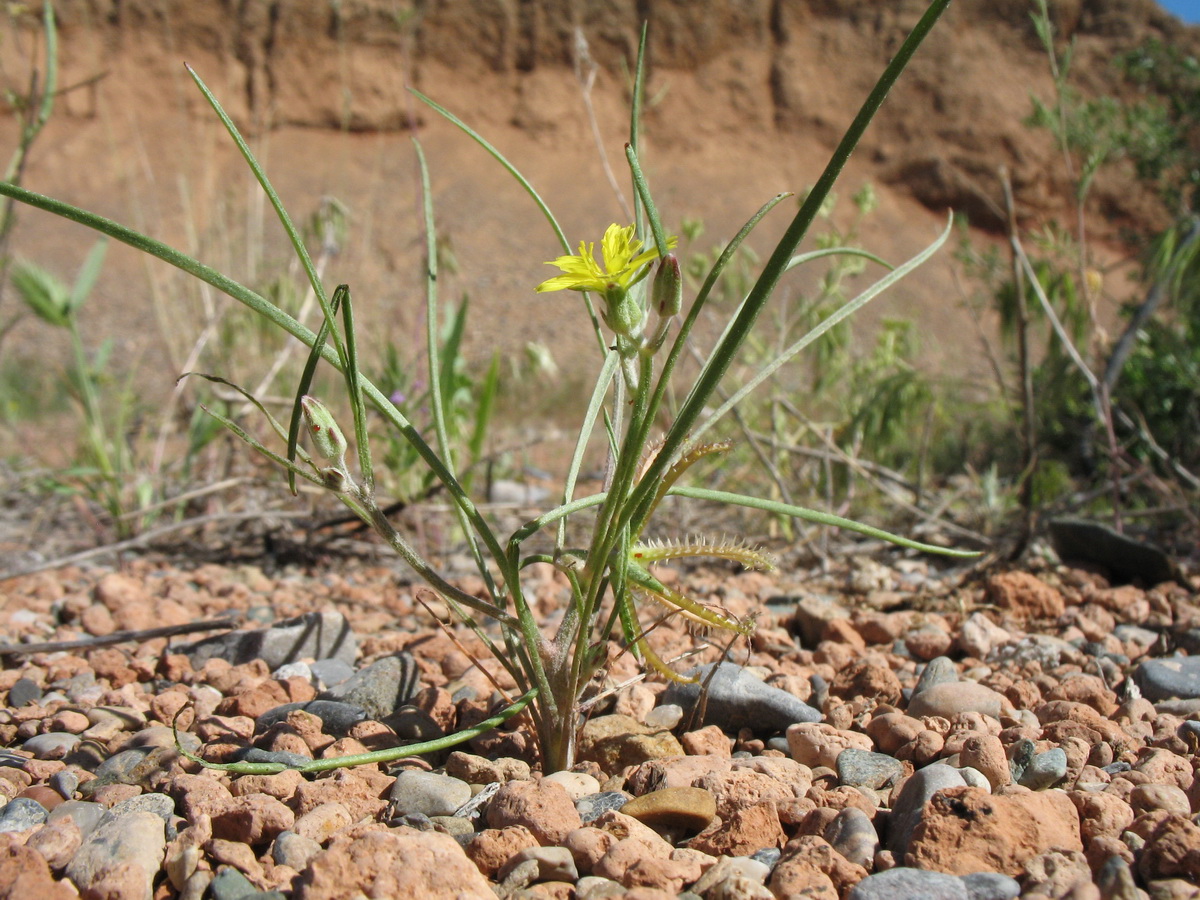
(889,733)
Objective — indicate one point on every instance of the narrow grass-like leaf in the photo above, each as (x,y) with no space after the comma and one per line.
(302,388)
(840,315)
(285,220)
(88,274)
(362,438)
(706,383)
(643,191)
(820,518)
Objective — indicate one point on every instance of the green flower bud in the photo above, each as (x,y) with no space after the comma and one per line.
(622,313)
(327,437)
(667,289)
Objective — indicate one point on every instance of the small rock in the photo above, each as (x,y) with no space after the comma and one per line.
(294,850)
(1163,679)
(550,864)
(909,884)
(429,793)
(1045,770)
(818,744)
(21,814)
(737,700)
(1125,558)
(23,692)
(1025,595)
(545,809)
(866,769)
(940,670)
(135,841)
(381,688)
(594,806)
(950,699)
(310,636)
(85,814)
(665,717)
(337,718)
(576,784)
(852,834)
(908,806)
(689,808)
(51,745)
(991,886)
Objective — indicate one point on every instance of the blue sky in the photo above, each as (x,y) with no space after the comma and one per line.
(1188,10)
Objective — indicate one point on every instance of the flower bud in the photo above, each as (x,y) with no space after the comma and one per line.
(326,436)
(622,313)
(666,292)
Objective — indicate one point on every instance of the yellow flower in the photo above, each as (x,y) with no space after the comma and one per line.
(623,264)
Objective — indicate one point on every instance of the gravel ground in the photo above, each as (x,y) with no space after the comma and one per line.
(888,733)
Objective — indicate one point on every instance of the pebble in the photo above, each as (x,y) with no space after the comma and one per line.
(951,698)
(51,745)
(337,718)
(909,884)
(316,635)
(594,806)
(866,769)
(23,692)
(428,793)
(1164,679)
(737,700)
(909,805)
(551,864)
(87,815)
(327,672)
(852,834)
(991,886)
(940,670)
(381,688)
(1045,770)
(576,784)
(136,838)
(689,808)
(65,783)
(21,814)
(258,755)
(294,850)
(665,717)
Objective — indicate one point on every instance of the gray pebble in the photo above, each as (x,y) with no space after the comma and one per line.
(65,782)
(1115,880)
(737,699)
(302,670)
(853,834)
(287,758)
(413,724)
(593,806)
(768,856)
(230,884)
(20,814)
(337,718)
(1021,754)
(975,778)
(991,886)
(909,805)
(329,672)
(381,688)
(87,815)
(862,768)
(909,884)
(159,804)
(553,864)
(1045,770)
(1162,679)
(119,768)
(820,692)
(940,670)
(137,838)
(51,745)
(295,850)
(310,636)
(427,793)
(23,691)
(665,717)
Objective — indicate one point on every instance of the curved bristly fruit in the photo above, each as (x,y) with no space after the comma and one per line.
(732,549)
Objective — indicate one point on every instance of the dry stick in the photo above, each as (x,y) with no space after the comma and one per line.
(583,59)
(1029,456)
(117,637)
(145,538)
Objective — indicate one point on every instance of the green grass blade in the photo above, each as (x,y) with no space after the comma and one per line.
(635,116)
(697,399)
(354,388)
(820,518)
(643,191)
(302,388)
(844,312)
(285,220)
